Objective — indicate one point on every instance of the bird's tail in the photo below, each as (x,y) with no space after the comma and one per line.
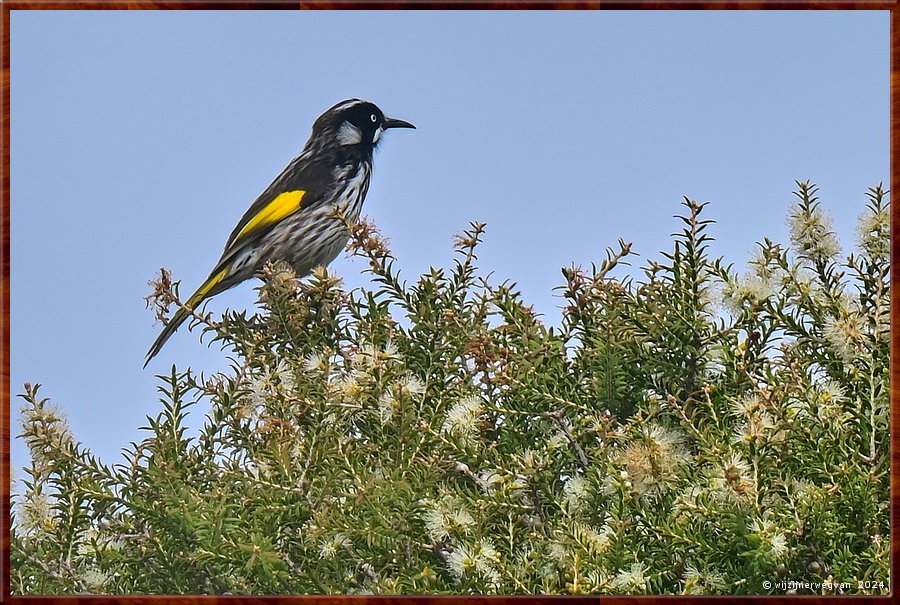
(202,293)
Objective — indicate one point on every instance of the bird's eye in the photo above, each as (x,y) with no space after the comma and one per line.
(374,118)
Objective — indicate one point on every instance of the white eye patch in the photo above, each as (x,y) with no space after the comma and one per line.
(348,134)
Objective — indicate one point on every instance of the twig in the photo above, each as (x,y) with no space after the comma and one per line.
(50,572)
(557,416)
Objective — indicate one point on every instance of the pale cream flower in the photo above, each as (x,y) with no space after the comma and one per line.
(798,407)
(489,480)
(486,558)
(715,359)
(631,580)
(94,579)
(575,492)
(262,388)
(594,541)
(409,385)
(760,263)
(462,419)
(548,572)
(557,441)
(328,549)
(559,553)
(390,351)
(804,491)
(706,582)
(365,357)
(772,541)
(607,532)
(712,298)
(779,545)
(531,460)
(49,421)
(873,232)
(285,375)
(756,429)
(460,561)
(88,540)
(445,517)
(745,289)
(348,386)
(668,442)
(844,335)
(35,514)
(812,234)
(652,464)
(460,518)
(831,390)
(315,362)
(746,406)
(732,480)
(387,403)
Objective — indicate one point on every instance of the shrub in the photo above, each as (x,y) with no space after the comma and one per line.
(688,430)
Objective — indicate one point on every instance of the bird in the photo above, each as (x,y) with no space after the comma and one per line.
(294,219)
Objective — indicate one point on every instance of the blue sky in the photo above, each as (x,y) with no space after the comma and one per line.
(138,139)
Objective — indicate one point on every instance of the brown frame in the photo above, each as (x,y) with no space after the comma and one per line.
(8,5)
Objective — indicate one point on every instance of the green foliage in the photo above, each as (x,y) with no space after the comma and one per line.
(691,430)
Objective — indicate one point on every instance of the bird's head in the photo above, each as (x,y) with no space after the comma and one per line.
(354,123)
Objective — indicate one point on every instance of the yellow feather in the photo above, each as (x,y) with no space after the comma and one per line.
(283,205)
(206,287)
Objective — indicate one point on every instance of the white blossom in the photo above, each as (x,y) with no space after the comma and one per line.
(409,385)
(460,561)
(632,579)
(844,335)
(488,480)
(872,232)
(462,419)
(94,579)
(772,541)
(285,375)
(35,514)
(328,549)
(314,362)
(576,492)
(732,480)
(812,234)
(445,517)
(749,288)
(706,582)
(386,405)
(651,464)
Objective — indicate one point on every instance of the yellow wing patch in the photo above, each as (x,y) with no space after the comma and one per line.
(283,205)
(208,285)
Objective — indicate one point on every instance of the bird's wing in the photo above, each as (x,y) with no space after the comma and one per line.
(265,212)
(299,186)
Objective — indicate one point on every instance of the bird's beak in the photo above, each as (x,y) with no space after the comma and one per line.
(395,123)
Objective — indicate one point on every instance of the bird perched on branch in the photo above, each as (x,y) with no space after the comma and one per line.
(297,218)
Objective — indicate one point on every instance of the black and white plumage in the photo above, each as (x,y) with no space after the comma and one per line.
(294,219)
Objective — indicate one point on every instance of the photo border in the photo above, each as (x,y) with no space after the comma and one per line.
(7,6)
